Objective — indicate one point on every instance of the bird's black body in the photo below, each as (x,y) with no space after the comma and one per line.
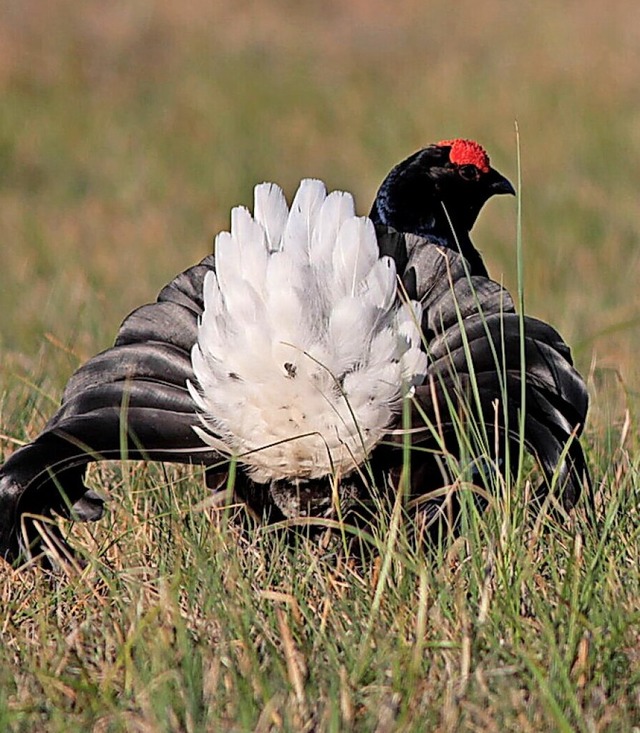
(472,337)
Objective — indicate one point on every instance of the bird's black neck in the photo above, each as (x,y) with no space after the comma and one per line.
(429,218)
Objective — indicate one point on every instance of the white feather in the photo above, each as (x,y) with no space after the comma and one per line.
(348,332)
(379,286)
(251,246)
(336,209)
(355,253)
(271,211)
(384,347)
(299,227)
(228,263)
(195,395)
(414,366)
(304,352)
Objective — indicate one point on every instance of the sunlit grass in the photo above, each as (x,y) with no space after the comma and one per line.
(127,131)
(177,624)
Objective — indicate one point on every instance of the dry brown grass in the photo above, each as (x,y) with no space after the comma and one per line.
(127,131)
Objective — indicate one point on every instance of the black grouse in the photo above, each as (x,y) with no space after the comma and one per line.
(293,349)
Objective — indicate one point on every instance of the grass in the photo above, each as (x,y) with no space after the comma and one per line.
(127,131)
(178,625)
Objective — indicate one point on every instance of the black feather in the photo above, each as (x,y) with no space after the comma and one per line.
(132,400)
(474,348)
(139,384)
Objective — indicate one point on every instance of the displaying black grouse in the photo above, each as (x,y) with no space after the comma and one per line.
(293,350)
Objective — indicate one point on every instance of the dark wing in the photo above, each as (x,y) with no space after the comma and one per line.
(130,400)
(475,373)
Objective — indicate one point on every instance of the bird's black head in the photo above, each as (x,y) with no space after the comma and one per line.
(454,175)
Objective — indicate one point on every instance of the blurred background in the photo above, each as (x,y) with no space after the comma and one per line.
(129,128)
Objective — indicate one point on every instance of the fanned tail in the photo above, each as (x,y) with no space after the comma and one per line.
(288,367)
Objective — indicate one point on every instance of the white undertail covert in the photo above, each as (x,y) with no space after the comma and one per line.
(304,349)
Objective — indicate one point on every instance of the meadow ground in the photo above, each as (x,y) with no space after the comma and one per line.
(127,131)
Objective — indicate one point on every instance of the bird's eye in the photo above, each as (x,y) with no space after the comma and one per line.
(469,172)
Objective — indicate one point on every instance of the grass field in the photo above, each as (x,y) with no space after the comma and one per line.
(127,131)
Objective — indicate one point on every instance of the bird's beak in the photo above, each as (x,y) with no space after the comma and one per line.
(498,184)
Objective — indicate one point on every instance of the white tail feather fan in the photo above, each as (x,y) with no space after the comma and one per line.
(304,350)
